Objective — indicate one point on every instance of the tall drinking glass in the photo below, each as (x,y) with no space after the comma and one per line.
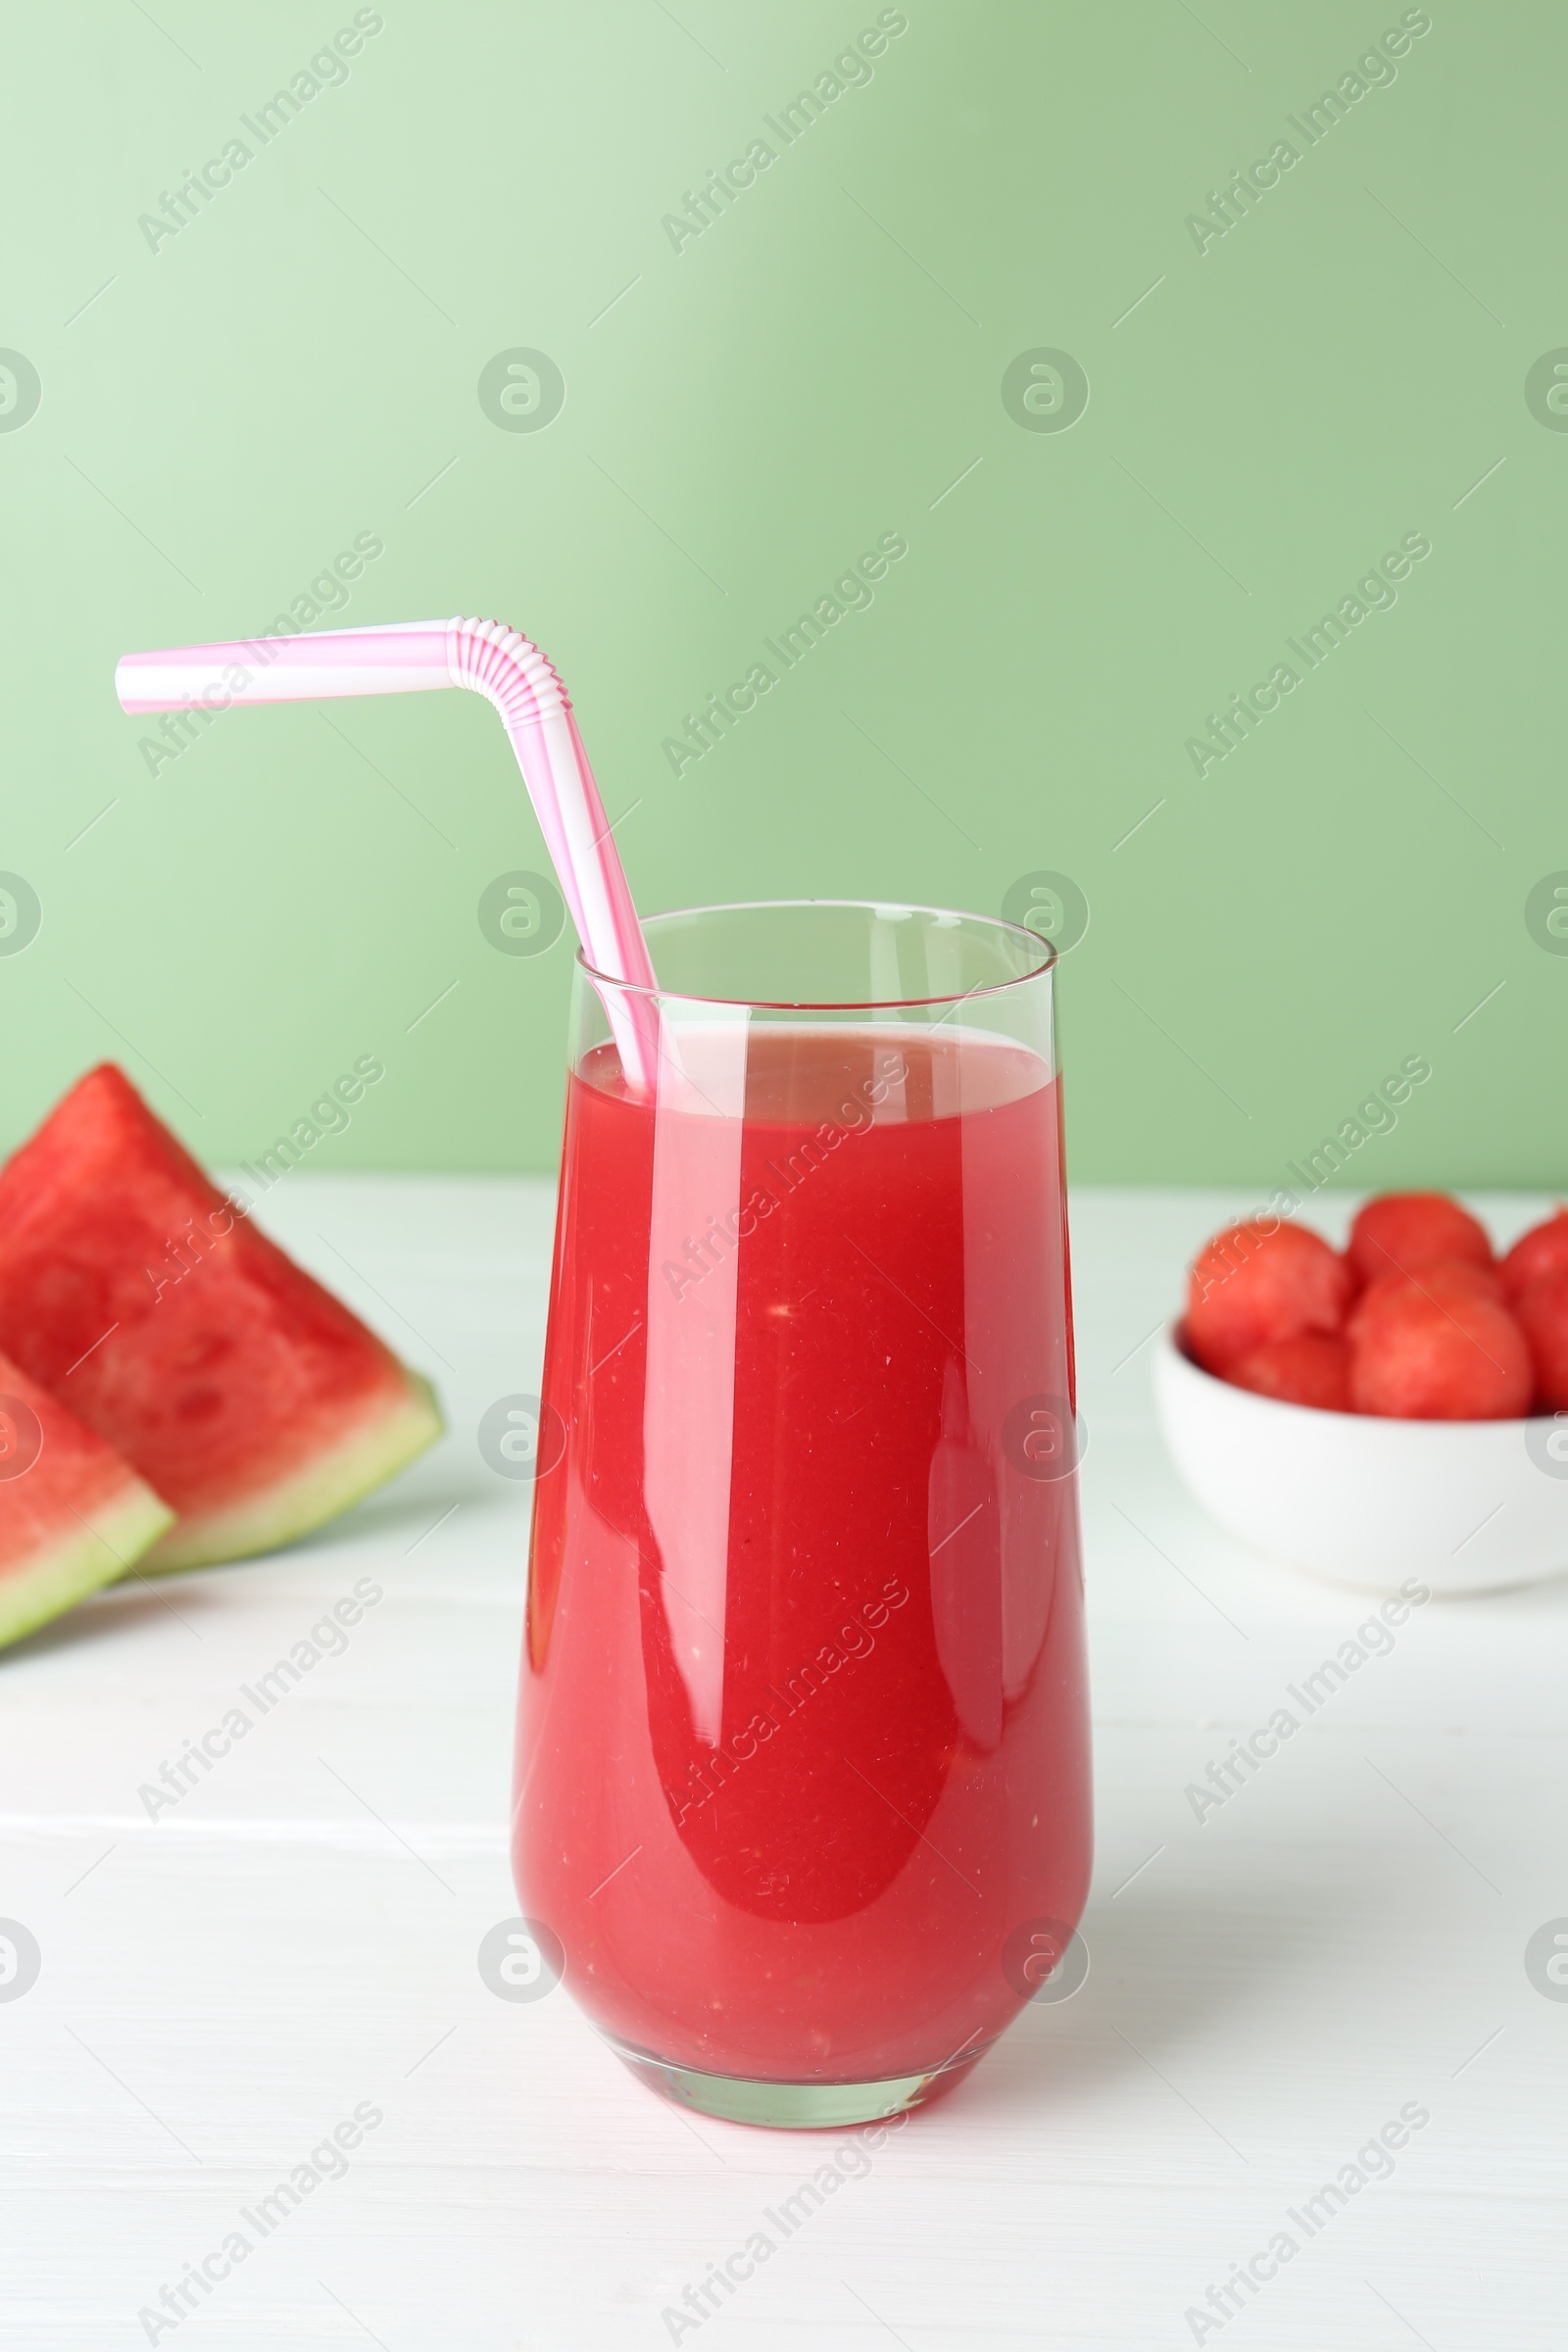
(803,1784)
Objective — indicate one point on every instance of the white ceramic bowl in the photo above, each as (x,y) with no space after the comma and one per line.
(1467,1506)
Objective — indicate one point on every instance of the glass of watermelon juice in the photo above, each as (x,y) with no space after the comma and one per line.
(802,1803)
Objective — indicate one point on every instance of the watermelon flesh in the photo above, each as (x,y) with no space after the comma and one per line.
(243,1393)
(72,1514)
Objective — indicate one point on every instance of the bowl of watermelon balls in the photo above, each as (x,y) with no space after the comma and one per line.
(1395,1411)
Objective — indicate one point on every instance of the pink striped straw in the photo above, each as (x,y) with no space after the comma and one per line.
(413,658)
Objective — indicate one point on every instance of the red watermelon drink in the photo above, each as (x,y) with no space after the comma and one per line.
(803,1780)
(823,1914)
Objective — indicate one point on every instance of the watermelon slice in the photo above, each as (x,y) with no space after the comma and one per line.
(73,1515)
(241,1390)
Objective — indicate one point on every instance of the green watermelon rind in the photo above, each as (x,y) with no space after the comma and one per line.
(83,1561)
(392,1432)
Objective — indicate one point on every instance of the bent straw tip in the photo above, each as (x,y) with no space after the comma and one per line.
(133,682)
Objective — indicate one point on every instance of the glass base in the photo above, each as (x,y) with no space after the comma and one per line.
(793,2106)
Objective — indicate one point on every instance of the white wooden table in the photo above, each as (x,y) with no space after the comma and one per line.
(296,1939)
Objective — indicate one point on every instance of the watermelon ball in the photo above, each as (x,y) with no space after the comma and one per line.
(1462,1273)
(1311,1368)
(1542,1250)
(1399,1232)
(1251,1285)
(1543,1313)
(1436,1348)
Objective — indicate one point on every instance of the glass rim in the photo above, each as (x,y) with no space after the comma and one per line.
(1046,951)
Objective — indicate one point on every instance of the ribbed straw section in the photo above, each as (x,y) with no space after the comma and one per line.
(523,684)
(506,667)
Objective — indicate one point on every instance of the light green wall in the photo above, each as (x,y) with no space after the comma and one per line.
(816,369)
